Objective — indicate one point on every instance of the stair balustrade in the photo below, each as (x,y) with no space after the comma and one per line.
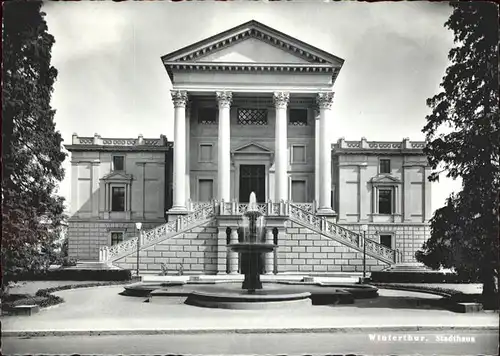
(341,234)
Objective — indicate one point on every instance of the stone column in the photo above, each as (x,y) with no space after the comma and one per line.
(269,255)
(179,99)
(224,99)
(316,157)
(188,152)
(233,256)
(325,101)
(281,146)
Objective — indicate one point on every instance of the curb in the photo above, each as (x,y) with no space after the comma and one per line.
(246,331)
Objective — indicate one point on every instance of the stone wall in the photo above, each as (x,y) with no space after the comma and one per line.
(195,250)
(303,250)
(85,238)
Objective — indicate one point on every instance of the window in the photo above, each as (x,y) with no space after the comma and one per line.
(118,163)
(118,199)
(386,240)
(299,191)
(298,117)
(205,190)
(207,116)
(385,201)
(116,238)
(385,166)
(298,154)
(252,117)
(205,154)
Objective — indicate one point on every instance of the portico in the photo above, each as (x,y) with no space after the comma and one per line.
(266,162)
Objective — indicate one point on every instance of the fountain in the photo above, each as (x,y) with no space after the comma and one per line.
(253,247)
(251,294)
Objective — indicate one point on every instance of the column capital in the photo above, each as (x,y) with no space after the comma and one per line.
(281,99)
(325,100)
(224,98)
(179,98)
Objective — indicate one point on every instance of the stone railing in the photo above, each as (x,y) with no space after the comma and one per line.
(406,144)
(182,223)
(97,140)
(236,208)
(341,234)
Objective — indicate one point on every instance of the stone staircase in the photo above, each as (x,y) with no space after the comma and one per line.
(202,215)
(346,237)
(302,214)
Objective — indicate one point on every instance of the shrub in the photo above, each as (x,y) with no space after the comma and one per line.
(418,277)
(78,275)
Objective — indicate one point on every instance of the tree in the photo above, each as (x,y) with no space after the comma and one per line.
(31,147)
(464,233)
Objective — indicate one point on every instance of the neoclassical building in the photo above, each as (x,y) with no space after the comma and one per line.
(252,113)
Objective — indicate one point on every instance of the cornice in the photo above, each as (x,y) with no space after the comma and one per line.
(97,148)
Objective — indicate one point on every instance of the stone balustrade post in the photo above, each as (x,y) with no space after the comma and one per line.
(222,207)
(233,256)
(269,255)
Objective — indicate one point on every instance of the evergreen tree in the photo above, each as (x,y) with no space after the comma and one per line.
(31,147)
(464,233)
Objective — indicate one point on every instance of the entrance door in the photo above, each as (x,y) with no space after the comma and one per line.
(252,179)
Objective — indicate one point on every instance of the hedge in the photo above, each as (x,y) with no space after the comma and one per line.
(78,275)
(47,291)
(417,277)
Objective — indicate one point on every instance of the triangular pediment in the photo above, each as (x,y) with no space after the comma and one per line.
(252,50)
(252,42)
(117,176)
(252,148)
(385,179)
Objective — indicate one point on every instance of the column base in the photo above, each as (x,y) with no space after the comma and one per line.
(175,212)
(326,212)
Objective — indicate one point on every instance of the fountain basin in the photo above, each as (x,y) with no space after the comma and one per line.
(235,298)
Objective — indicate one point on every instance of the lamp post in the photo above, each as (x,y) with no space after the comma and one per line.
(364,228)
(138,226)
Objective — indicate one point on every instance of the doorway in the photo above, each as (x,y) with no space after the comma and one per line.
(252,179)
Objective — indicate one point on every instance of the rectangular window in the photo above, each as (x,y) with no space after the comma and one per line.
(299,191)
(206,190)
(116,238)
(252,117)
(205,153)
(386,240)
(298,154)
(207,116)
(385,166)
(297,117)
(118,163)
(118,199)
(385,201)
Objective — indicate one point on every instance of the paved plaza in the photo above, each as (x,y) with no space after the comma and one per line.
(102,309)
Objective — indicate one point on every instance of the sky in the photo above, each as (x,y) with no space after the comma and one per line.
(111,80)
